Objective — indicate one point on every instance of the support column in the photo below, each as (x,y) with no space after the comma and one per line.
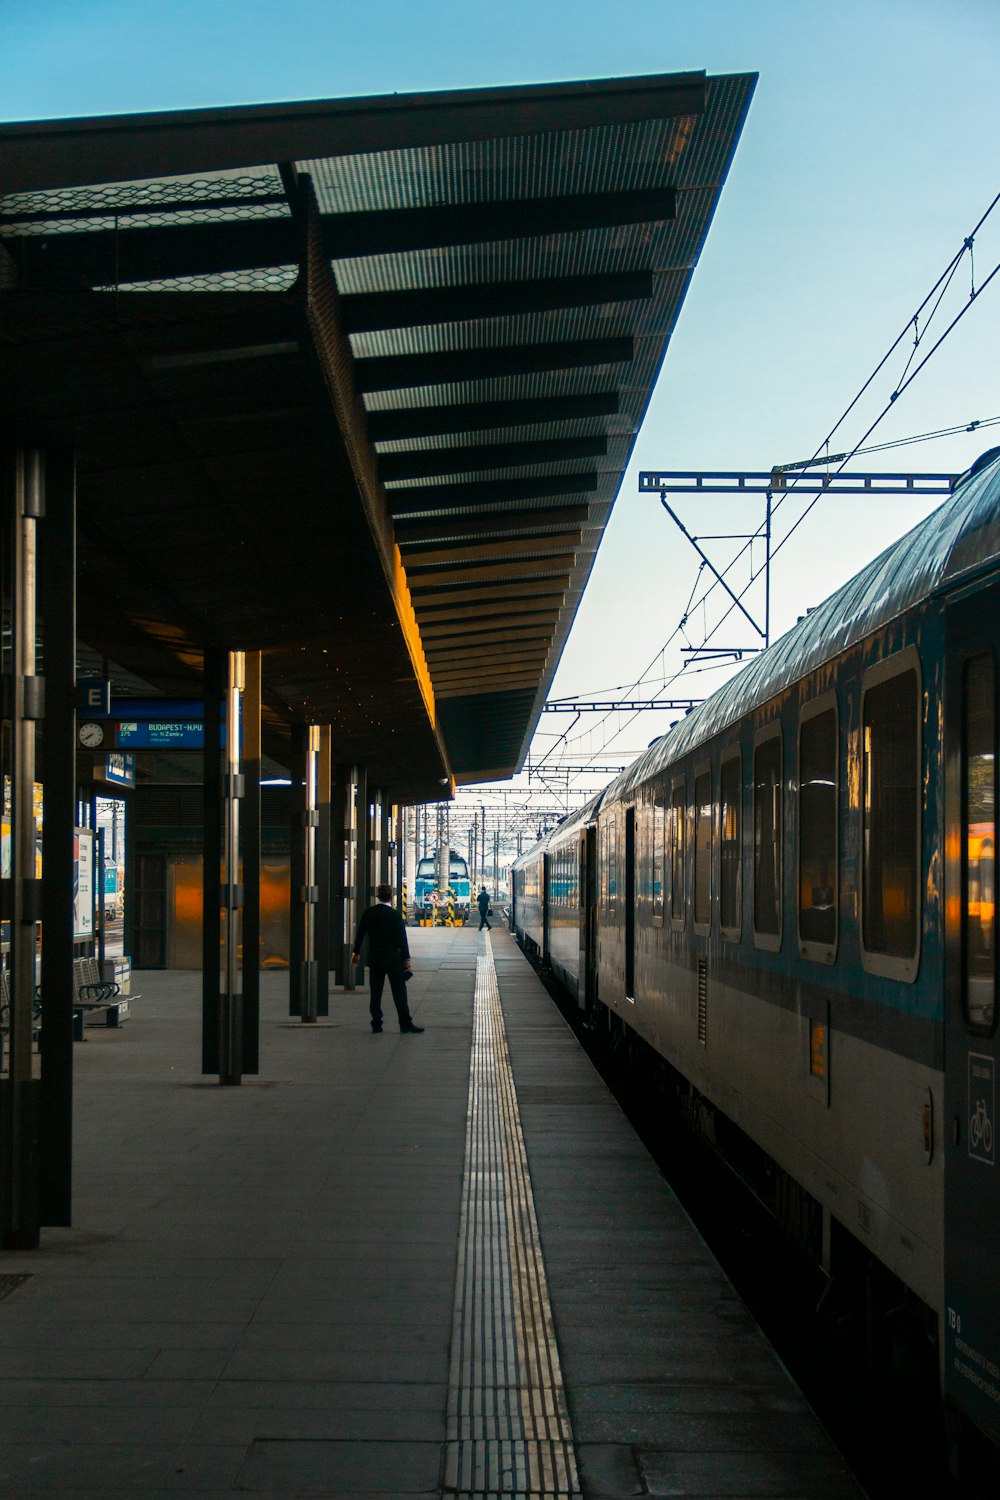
(297,870)
(58,600)
(309,892)
(384,815)
(363,880)
(251,862)
(19,1096)
(339,958)
(398,840)
(231,1007)
(352,874)
(378,860)
(211,929)
(324,770)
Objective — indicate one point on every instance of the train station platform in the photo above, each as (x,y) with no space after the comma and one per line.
(387,1266)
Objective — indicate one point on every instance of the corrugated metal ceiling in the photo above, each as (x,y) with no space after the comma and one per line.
(526,351)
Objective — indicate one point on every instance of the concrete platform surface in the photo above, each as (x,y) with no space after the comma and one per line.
(258,1294)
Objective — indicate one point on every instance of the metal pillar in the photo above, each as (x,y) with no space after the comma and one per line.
(380,838)
(297,870)
(231,1006)
(339,957)
(251,861)
(363,872)
(309,891)
(323,860)
(211,920)
(19,1099)
(58,601)
(352,867)
(397,849)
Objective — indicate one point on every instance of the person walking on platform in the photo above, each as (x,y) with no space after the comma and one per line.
(388,958)
(483,902)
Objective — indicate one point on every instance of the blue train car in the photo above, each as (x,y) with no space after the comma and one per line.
(794,906)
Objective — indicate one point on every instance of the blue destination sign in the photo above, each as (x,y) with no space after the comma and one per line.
(159,734)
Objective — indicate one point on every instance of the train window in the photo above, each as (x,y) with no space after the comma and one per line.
(979,829)
(767,828)
(678,819)
(659,849)
(730,793)
(612,845)
(818,827)
(890,796)
(703,848)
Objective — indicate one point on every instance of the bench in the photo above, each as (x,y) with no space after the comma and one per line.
(36,1017)
(92,993)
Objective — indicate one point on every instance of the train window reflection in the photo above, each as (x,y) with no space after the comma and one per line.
(891,788)
(703,847)
(979,843)
(612,865)
(818,829)
(659,850)
(767,825)
(677,821)
(729,845)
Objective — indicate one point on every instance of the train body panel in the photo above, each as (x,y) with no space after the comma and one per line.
(792,901)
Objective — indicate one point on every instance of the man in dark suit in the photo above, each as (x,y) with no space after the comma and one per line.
(388,958)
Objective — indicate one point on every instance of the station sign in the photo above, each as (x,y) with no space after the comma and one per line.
(119,769)
(146,724)
(158,734)
(94,695)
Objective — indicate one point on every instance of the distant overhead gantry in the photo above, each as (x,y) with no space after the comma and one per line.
(610,705)
(792,476)
(779,480)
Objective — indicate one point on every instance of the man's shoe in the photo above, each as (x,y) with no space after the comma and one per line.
(377,1028)
(410,1028)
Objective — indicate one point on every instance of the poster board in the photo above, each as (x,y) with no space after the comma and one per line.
(84,840)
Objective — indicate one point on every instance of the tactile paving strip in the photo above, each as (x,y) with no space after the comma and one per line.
(508,1432)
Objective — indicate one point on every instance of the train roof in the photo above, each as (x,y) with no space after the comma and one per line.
(960,539)
(579,818)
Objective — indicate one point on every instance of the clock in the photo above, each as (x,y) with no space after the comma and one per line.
(91,736)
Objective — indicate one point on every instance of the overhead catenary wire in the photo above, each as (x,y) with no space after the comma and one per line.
(907,377)
(905,380)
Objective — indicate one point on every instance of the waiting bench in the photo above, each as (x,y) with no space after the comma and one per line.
(36,1018)
(92,993)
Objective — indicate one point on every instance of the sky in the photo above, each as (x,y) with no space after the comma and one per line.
(868,155)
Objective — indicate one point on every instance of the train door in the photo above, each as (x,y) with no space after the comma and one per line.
(630,904)
(546,900)
(589,888)
(972,1053)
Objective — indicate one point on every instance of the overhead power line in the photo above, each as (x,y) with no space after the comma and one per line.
(938,290)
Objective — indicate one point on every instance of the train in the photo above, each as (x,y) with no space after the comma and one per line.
(788,902)
(429,895)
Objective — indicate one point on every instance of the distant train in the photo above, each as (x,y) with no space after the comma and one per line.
(428,895)
(791,898)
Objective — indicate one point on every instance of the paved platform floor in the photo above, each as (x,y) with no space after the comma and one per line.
(257,1294)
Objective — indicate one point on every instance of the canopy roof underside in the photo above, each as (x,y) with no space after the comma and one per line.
(355,383)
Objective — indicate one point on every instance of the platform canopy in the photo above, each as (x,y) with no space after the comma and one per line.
(355,383)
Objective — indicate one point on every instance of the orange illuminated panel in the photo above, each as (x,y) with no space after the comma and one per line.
(817,1049)
(186,908)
